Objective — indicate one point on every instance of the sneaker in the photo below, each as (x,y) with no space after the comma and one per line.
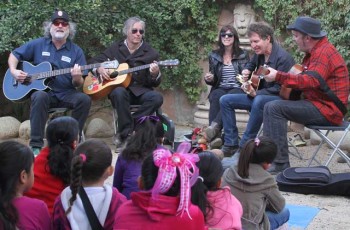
(228,151)
(36,151)
(216,143)
(212,131)
(341,159)
(276,168)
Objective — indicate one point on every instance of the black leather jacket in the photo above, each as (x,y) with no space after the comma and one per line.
(216,63)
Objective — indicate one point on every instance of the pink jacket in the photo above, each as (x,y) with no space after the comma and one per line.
(227,211)
(143,212)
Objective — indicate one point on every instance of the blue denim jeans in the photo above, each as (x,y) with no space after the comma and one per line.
(278,113)
(278,219)
(229,103)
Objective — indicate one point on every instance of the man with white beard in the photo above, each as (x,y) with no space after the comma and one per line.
(57,48)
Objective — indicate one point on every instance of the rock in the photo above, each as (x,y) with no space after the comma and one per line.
(24,130)
(9,127)
(98,128)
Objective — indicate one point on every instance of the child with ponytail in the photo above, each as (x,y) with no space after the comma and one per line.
(147,135)
(256,189)
(88,203)
(220,208)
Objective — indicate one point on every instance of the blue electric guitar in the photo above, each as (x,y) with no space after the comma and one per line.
(37,78)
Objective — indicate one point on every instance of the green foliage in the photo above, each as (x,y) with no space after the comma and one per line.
(334,15)
(182,29)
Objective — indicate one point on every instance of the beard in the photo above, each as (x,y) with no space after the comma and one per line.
(59,35)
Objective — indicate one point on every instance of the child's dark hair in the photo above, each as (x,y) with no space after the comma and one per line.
(149,173)
(257,151)
(61,132)
(14,158)
(149,132)
(90,161)
(210,169)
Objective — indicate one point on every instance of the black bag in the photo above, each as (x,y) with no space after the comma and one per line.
(314,180)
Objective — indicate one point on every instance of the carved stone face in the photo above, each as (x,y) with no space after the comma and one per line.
(243,16)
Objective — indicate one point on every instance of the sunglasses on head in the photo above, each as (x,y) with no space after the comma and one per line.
(63,23)
(223,35)
(134,31)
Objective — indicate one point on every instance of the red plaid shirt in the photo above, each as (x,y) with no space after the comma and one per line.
(325,60)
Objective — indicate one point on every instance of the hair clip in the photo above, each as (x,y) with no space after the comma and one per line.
(257,141)
(201,178)
(168,165)
(144,118)
(83,156)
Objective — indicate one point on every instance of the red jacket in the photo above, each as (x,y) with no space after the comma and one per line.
(46,186)
(326,61)
(143,212)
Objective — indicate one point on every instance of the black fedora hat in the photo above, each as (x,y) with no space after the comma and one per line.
(309,26)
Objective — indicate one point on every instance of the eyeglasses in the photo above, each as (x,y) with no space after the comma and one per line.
(134,31)
(58,23)
(223,35)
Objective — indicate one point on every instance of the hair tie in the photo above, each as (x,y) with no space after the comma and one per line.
(167,164)
(144,118)
(201,178)
(83,156)
(257,141)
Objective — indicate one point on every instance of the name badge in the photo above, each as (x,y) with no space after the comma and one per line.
(66,59)
(47,54)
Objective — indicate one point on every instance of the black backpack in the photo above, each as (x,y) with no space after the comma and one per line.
(314,180)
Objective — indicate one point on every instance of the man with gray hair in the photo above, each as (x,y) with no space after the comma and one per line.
(57,48)
(134,51)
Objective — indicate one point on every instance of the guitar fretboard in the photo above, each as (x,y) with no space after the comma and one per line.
(52,73)
(133,69)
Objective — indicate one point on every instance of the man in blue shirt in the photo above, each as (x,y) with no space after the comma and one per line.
(57,48)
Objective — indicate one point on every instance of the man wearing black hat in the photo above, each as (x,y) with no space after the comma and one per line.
(321,61)
(57,48)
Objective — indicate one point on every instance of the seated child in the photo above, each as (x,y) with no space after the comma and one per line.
(220,208)
(148,134)
(16,177)
(52,165)
(91,166)
(256,188)
(166,202)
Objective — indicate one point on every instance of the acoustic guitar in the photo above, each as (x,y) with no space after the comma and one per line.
(97,87)
(255,78)
(288,93)
(38,77)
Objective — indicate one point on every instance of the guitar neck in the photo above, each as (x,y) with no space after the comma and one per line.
(126,71)
(52,73)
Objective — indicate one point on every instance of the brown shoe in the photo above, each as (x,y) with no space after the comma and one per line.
(212,131)
(216,143)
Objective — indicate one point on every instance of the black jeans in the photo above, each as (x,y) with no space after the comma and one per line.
(278,113)
(42,101)
(122,98)
(214,99)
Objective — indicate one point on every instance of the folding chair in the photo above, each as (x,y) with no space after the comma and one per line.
(322,132)
(295,153)
(168,124)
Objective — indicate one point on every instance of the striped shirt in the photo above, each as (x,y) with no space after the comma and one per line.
(326,61)
(228,78)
